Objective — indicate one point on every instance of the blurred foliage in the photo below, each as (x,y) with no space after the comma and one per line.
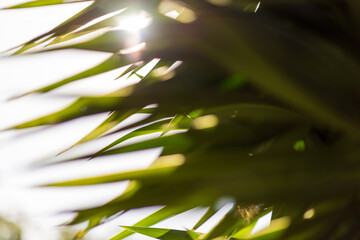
(266,96)
(9,230)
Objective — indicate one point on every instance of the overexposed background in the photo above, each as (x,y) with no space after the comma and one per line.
(38,211)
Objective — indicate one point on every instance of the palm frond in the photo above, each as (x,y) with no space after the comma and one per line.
(266,101)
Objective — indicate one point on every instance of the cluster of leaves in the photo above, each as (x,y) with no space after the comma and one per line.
(267,96)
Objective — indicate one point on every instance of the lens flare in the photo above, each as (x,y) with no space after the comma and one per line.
(134,22)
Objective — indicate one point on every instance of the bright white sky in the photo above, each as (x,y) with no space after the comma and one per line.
(33,206)
(36,207)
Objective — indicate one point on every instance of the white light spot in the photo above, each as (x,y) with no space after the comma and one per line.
(172,14)
(257,7)
(262,223)
(134,22)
